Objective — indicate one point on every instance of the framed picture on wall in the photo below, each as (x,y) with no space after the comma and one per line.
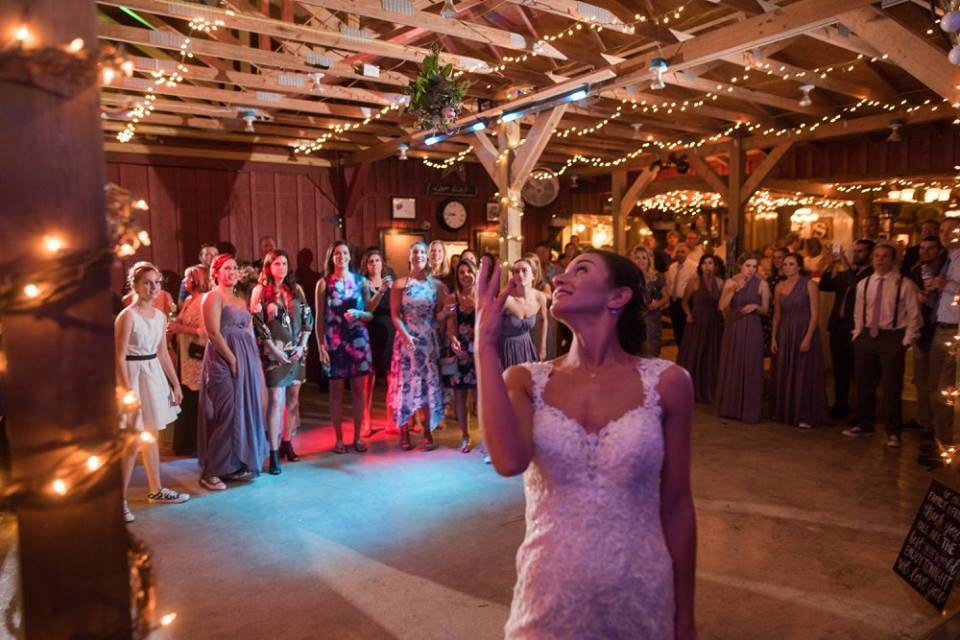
(404,208)
(486,241)
(396,245)
(493,212)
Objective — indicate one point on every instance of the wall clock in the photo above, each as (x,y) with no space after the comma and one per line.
(452,215)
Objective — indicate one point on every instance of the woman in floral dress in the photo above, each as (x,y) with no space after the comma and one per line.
(413,386)
(283,322)
(460,322)
(343,339)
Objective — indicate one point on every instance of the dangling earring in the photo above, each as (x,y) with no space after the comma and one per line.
(613,312)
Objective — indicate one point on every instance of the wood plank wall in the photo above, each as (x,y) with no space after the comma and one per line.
(193,200)
(931,149)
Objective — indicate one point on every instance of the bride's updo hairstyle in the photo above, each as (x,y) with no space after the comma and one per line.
(631,326)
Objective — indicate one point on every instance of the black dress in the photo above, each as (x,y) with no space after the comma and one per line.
(381,334)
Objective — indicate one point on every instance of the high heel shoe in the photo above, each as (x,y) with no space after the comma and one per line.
(274,468)
(286,450)
(405,439)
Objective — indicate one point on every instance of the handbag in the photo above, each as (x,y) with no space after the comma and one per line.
(195,350)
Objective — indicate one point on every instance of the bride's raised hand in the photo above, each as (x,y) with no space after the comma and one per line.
(490,302)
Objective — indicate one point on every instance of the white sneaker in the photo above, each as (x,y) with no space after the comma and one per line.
(805,425)
(127,514)
(168,496)
(894,442)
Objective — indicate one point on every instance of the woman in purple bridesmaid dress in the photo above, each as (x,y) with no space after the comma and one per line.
(799,393)
(700,348)
(745,298)
(231,444)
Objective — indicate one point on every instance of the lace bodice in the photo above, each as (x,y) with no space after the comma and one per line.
(594,562)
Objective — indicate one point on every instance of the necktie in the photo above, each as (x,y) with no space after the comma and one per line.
(875,315)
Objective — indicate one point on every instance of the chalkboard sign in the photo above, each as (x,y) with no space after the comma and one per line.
(930,555)
(466,190)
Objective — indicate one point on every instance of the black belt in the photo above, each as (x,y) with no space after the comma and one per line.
(946,325)
(131,358)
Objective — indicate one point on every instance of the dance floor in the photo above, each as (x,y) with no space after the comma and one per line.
(797,535)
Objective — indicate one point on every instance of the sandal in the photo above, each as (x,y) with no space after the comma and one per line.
(213,483)
(240,475)
(465,445)
(339,448)
(405,443)
(427,440)
(360,446)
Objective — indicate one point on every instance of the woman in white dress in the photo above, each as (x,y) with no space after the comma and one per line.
(144,366)
(610,545)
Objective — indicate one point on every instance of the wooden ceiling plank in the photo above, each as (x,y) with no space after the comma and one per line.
(432,22)
(270,82)
(725,89)
(200,152)
(138,36)
(301,33)
(907,49)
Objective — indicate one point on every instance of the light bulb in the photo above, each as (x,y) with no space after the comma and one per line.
(130,398)
(52,243)
(22,33)
(75,45)
(93,463)
(107,75)
(168,618)
(146,436)
(59,487)
(31,290)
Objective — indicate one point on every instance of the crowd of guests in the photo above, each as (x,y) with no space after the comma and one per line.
(884,306)
(241,358)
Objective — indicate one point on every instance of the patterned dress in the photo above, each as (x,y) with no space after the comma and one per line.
(347,341)
(466,374)
(284,329)
(414,380)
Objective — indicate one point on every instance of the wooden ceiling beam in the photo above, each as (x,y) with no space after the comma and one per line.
(139,37)
(728,90)
(263,100)
(296,83)
(907,49)
(286,31)
(570,9)
(216,154)
(453,27)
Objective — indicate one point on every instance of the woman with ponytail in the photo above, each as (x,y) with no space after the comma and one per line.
(601,471)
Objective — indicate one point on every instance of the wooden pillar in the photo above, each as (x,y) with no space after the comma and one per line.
(736,218)
(60,376)
(618,187)
(511,216)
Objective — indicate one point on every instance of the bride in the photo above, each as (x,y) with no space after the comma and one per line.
(603,440)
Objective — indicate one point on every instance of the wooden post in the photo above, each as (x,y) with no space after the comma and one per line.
(511,224)
(618,187)
(60,375)
(736,219)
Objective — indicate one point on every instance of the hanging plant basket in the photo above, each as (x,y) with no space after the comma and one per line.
(436,96)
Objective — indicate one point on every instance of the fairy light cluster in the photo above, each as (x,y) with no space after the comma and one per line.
(903,190)
(682,202)
(309,146)
(764,200)
(141,110)
(449,162)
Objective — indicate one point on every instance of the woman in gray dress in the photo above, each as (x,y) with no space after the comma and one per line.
(799,392)
(282,321)
(523,308)
(745,298)
(700,348)
(230,440)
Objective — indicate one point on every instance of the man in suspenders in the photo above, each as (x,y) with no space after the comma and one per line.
(886,322)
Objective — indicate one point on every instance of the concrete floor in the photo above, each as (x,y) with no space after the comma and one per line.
(798,532)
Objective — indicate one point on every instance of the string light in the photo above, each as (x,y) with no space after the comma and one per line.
(141,110)
(59,487)
(775,68)
(449,162)
(309,146)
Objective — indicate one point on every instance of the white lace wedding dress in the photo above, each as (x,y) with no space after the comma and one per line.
(594,563)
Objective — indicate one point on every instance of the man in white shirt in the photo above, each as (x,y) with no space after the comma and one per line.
(694,248)
(886,320)
(943,363)
(679,274)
